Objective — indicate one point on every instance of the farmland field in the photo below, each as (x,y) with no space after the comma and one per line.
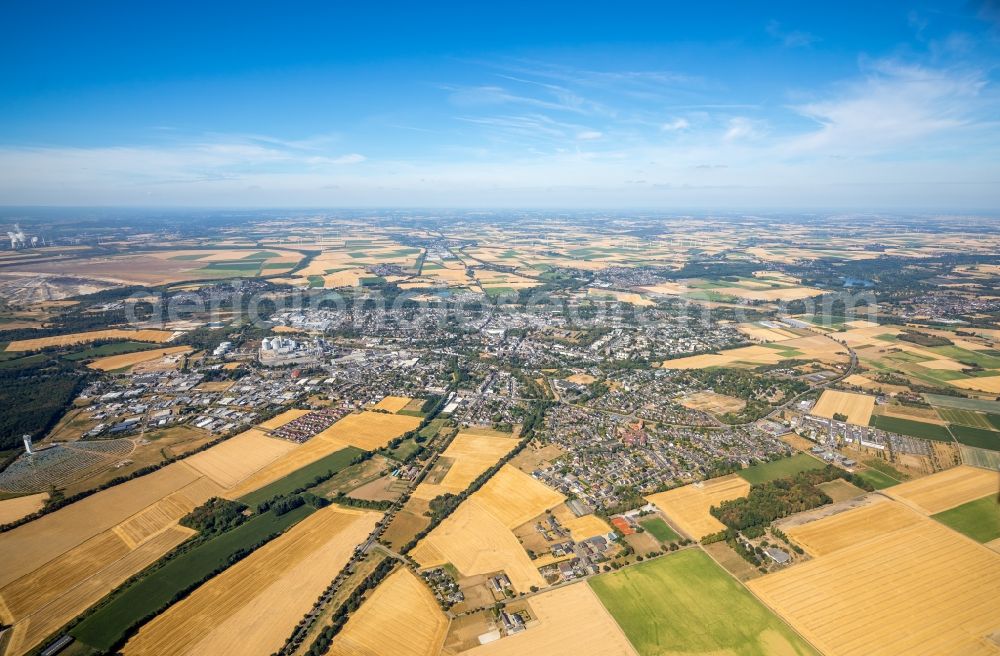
(364,430)
(965,418)
(467,456)
(115,362)
(979,519)
(401,617)
(975,405)
(571,620)
(231,461)
(900,567)
(477,537)
(105,627)
(688,506)
(156,336)
(857,407)
(17,507)
(279,581)
(947,489)
(912,428)
(685,603)
(769,471)
(334,462)
(392,404)
(977,437)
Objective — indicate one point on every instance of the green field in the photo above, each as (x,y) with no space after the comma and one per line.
(659,529)
(963,403)
(686,603)
(115,348)
(964,418)
(110,623)
(405,449)
(431,429)
(783,468)
(978,358)
(303,477)
(878,479)
(912,428)
(977,437)
(979,519)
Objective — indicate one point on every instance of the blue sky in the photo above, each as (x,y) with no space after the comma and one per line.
(664,105)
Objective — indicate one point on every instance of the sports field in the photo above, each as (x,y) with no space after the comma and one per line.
(688,506)
(923,587)
(659,529)
(979,519)
(685,603)
(276,583)
(401,618)
(769,471)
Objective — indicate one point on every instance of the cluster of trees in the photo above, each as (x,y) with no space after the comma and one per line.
(283,504)
(34,394)
(368,504)
(923,339)
(216,515)
(773,500)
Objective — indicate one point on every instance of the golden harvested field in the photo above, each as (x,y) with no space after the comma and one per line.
(476,542)
(365,430)
(401,618)
(712,402)
(857,407)
(155,336)
(571,620)
(392,403)
(989,384)
(114,362)
(280,420)
(815,347)
(470,456)
(514,497)
(28,547)
(581,528)
(253,606)
(888,581)
(946,489)
(477,538)
(765,334)
(623,297)
(14,509)
(73,596)
(688,506)
(833,532)
(232,461)
(82,552)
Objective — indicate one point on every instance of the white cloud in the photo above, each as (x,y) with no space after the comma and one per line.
(893,104)
(589,135)
(741,127)
(675,125)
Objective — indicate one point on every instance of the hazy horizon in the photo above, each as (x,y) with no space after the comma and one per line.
(853,107)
